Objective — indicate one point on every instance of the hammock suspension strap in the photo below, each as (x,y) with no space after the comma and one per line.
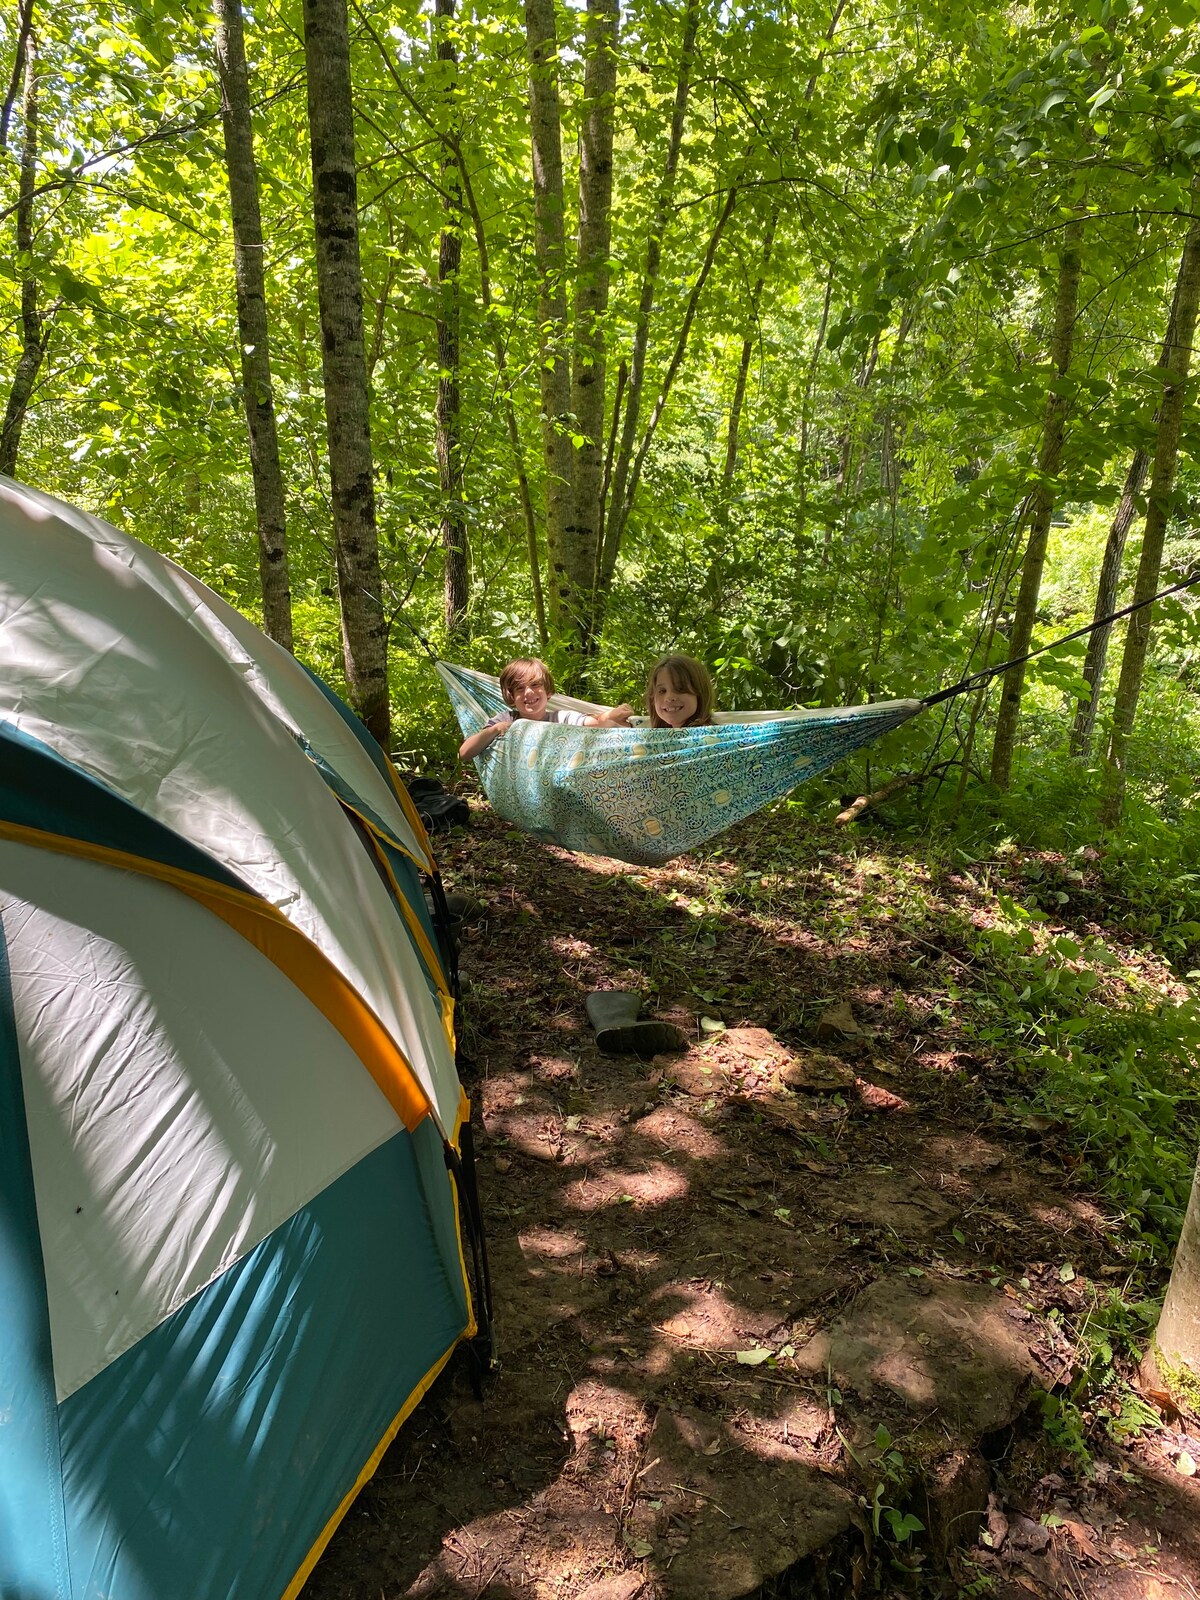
(978,679)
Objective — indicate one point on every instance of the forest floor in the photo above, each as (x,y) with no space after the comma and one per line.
(808,1309)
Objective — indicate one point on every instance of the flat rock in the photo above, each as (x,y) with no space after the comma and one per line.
(730,1518)
(817,1072)
(620,1586)
(938,1345)
(838,1024)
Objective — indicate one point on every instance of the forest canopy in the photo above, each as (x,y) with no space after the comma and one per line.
(833,344)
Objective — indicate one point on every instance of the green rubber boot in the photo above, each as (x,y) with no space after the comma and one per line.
(614,1014)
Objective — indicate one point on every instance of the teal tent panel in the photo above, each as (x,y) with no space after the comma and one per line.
(645,795)
(429,1151)
(33,1540)
(356,726)
(38,789)
(222,1443)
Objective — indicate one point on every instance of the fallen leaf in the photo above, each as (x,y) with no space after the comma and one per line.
(753,1358)
(711,1025)
(1183,1461)
(1066,1273)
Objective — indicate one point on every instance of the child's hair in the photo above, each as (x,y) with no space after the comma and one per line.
(688,676)
(522,672)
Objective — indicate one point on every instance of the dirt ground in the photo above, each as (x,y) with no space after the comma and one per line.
(787,1314)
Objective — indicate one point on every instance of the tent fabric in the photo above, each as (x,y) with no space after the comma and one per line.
(214,764)
(644,794)
(230,1251)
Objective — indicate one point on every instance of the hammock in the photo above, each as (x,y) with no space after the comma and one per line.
(645,794)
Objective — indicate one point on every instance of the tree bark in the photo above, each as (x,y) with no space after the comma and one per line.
(566,593)
(343,360)
(447,408)
(1177,1338)
(250,274)
(1106,600)
(592,276)
(1049,457)
(1174,371)
(33,323)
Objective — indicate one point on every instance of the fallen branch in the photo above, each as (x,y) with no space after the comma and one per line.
(903,781)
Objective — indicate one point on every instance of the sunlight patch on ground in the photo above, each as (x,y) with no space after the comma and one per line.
(657,1186)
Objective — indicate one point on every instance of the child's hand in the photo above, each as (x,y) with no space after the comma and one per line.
(618,717)
(502,728)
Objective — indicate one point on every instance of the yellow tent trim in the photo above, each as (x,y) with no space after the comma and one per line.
(286,947)
(367,1473)
(412,815)
(414,1399)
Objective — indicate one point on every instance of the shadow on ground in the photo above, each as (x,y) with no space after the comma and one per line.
(754,1306)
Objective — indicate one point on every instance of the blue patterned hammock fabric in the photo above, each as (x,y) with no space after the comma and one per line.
(644,794)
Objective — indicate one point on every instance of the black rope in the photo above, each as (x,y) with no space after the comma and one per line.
(977,679)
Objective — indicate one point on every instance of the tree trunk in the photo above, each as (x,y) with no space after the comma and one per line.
(1174,1358)
(1174,370)
(567,594)
(810,381)
(620,509)
(33,324)
(449,447)
(250,273)
(24,34)
(1049,457)
(592,276)
(614,524)
(510,410)
(732,435)
(1110,572)
(343,360)
(1106,600)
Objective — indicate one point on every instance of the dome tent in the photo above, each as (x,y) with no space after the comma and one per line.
(230,1249)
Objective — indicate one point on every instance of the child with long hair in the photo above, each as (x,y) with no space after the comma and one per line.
(679,693)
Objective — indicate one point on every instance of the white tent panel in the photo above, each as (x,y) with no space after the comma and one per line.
(95,664)
(274,675)
(183,1098)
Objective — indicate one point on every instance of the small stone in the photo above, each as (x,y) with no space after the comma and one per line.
(816,1072)
(838,1022)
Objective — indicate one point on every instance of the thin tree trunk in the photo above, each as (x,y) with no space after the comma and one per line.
(33,323)
(739,389)
(1049,457)
(1110,572)
(1174,370)
(510,411)
(24,33)
(621,508)
(613,525)
(1106,600)
(447,409)
(810,380)
(250,273)
(592,276)
(550,256)
(343,360)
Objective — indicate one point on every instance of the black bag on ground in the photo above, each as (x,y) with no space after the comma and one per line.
(436,806)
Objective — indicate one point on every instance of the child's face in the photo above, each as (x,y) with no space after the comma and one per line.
(530,700)
(672,705)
